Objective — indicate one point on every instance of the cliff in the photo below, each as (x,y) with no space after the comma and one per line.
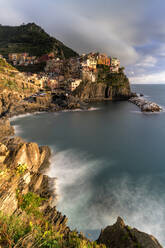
(107,87)
(27,216)
(32,39)
(13,103)
(120,235)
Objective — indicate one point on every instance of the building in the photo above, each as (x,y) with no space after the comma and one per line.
(75,83)
(52,83)
(54,65)
(115,65)
(22,59)
(46,57)
(13,56)
(92,62)
(103,60)
(115,62)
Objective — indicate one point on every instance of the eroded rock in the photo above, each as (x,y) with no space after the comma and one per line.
(121,236)
(145,105)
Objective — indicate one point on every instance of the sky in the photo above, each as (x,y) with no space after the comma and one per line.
(132,30)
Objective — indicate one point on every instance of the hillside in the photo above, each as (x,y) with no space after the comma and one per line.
(12,80)
(32,39)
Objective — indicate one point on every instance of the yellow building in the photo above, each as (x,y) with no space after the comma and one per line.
(75,84)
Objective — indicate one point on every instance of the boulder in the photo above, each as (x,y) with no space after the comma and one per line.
(5,128)
(120,235)
(3,152)
(29,154)
(151,107)
(145,105)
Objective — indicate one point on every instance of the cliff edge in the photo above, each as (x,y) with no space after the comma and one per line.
(27,216)
(108,86)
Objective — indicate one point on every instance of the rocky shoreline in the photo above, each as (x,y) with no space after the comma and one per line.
(15,152)
(145,105)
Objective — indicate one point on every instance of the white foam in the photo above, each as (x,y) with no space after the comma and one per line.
(18,117)
(80,110)
(18,130)
(88,208)
(25,115)
(93,109)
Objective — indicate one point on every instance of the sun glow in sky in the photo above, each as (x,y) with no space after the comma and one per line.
(133,31)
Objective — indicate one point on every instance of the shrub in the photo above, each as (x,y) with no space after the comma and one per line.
(12,229)
(21,168)
(30,203)
(15,232)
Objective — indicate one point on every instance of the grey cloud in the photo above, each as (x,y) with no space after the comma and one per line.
(120,28)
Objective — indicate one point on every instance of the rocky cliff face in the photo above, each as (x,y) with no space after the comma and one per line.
(21,167)
(102,91)
(114,87)
(21,172)
(5,128)
(120,235)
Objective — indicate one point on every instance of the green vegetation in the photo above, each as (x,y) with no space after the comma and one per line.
(5,65)
(29,202)
(15,232)
(32,39)
(21,168)
(10,84)
(7,73)
(31,229)
(11,230)
(112,79)
(117,79)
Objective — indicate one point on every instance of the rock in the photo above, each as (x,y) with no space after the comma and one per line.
(151,107)
(120,235)
(102,91)
(145,105)
(57,219)
(29,154)
(5,128)
(45,154)
(3,152)
(107,86)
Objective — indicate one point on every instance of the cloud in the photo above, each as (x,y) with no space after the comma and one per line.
(148,61)
(152,78)
(131,30)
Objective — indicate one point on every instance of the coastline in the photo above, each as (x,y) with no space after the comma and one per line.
(41,181)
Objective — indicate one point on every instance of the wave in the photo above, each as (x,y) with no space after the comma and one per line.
(25,115)
(93,199)
(80,110)
(18,130)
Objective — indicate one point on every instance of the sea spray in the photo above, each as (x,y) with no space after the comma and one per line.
(17,117)
(81,110)
(128,175)
(92,207)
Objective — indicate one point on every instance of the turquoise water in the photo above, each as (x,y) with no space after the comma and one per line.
(109,162)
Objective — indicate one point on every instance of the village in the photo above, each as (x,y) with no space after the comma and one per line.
(66,74)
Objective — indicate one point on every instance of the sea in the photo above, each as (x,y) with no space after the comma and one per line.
(106,162)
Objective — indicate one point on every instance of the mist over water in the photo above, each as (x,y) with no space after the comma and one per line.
(107,163)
